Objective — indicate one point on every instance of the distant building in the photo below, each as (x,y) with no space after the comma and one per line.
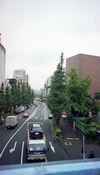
(9,82)
(86,66)
(47,86)
(2,63)
(21,76)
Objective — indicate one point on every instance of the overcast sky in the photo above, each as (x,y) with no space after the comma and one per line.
(35,32)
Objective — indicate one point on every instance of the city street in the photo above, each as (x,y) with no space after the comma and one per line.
(13,142)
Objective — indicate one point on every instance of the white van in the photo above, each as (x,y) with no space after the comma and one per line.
(11,121)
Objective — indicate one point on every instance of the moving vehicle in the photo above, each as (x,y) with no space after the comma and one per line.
(25,115)
(36,149)
(20,109)
(50,116)
(36,143)
(36,132)
(11,121)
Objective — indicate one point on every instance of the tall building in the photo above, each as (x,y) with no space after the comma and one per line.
(86,66)
(2,63)
(21,76)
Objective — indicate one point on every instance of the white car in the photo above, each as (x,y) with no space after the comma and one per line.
(25,114)
(11,121)
(36,125)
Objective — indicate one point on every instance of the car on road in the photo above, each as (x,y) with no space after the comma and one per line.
(20,109)
(50,116)
(11,121)
(36,150)
(33,125)
(36,132)
(26,115)
(36,125)
(36,142)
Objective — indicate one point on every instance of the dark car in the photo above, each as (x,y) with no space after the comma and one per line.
(36,133)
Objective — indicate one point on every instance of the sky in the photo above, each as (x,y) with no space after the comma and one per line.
(35,32)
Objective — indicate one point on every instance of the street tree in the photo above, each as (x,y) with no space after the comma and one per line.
(56,97)
(14,95)
(27,94)
(8,99)
(2,100)
(78,99)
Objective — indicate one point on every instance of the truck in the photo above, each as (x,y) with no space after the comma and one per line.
(36,143)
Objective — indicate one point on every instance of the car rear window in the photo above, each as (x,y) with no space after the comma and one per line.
(36,135)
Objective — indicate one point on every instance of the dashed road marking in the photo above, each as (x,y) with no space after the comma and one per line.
(22,151)
(13,149)
(31,116)
(72,138)
(52,147)
(68,143)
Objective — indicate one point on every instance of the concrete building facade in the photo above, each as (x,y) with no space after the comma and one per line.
(20,75)
(86,66)
(2,63)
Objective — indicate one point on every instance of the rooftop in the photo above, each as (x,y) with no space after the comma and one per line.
(85,55)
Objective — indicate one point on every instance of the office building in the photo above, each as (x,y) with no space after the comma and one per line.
(86,66)
(2,63)
(21,76)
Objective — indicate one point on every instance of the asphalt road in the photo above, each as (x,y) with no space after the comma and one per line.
(13,142)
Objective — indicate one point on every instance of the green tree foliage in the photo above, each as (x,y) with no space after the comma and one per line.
(56,97)
(8,99)
(15,95)
(78,99)
(27,94)
(2,99)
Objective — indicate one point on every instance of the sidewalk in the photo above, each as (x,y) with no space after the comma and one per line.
(72,142)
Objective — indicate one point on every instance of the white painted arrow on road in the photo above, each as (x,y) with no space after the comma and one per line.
(13,149)
(31,116)
(52,147)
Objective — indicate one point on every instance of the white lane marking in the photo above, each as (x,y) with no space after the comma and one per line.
(22,151)
(13,149)
(68,143)
(52,148)
(31,116)
(72,138)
